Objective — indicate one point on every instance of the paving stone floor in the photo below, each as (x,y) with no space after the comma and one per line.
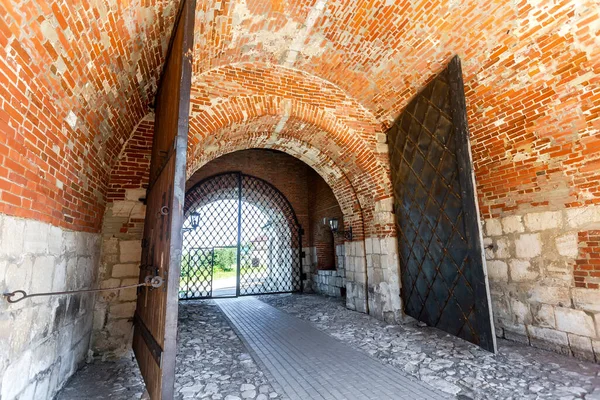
(310,364)
(214,364)
(447,363)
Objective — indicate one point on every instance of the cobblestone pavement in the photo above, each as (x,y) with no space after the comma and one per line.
(212,363)
(448,363)
(105,380)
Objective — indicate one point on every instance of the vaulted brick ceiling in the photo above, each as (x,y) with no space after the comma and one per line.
(77,77)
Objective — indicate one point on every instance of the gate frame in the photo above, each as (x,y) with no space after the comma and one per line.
(239,176)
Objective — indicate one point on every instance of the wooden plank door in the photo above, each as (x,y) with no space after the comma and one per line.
(444,282)
(155,334)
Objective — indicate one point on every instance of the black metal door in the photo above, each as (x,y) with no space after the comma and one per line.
(443,278)
(253,217)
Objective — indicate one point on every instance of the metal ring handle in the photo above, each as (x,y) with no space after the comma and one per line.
(9,296)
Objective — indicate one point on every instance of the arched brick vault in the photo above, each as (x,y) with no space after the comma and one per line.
(77,76)
(251,89)
(531,73)
(356,207)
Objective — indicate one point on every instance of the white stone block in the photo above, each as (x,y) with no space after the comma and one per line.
(489,253)
(567,245)
(545,316)
(520,311)
(12,238)
(69,242)
(493,227)
(502,248)
(528,245)
(521,271)
(574,321)
(497,270)
(586,299)
(553,295)
(81,244)
(128,294)
(59,280)
(376,246)
(543,220)
(385,204)
(55,239)
(130,251)
(42,276)
(512,224)
(85,272)
(18,277)
(549,335)
(122,310)
(135,194)
(581,343)
(583,216)
(121,208)
(369,245)
(125,270)
(42,357)
(71,281)
(36,237)
(42,388)
(16,376)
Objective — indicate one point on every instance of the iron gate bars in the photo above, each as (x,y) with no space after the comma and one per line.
(248,213)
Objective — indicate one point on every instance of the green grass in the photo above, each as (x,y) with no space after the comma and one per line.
(220,273)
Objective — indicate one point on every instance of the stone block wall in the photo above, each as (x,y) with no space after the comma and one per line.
(384,279)
(119,266)
(356,276)
(122,230)
(44,340)
(543,279)
(332,282)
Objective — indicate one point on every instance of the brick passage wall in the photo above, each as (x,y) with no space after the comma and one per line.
(322,203)
(587,264)
(122,231)
(327,251)
(75,78)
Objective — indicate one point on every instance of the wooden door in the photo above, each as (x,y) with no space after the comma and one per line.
(154,340)
(442,267)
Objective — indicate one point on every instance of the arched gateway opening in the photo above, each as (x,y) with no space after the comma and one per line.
(241,237)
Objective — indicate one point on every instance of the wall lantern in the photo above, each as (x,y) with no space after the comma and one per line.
(194,222)
(334,225)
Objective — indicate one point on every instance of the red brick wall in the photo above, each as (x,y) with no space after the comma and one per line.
(322,204)
(288,174)
(132,171)
(75,78)
(587,265)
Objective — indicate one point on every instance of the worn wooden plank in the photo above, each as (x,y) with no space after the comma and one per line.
(156,312)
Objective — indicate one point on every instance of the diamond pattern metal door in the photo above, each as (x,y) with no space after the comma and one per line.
(442,267)
(255,218)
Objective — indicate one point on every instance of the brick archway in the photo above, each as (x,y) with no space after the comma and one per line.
(354,173)
(335,177)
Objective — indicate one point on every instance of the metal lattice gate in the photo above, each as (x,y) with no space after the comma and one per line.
(247,235)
